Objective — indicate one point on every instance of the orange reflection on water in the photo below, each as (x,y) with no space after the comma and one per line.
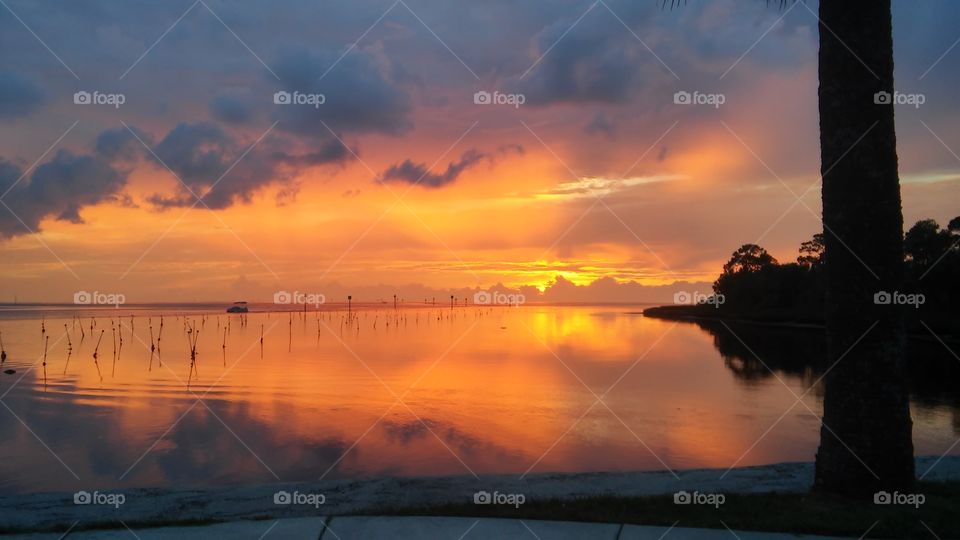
(415,391)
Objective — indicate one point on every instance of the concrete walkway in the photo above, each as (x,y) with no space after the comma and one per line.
(427,528)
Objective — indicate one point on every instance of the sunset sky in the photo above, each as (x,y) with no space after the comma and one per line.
(399,180)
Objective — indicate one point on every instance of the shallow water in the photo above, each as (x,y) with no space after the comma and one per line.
(418,391)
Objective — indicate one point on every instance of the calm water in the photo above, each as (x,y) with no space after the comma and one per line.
(414,392)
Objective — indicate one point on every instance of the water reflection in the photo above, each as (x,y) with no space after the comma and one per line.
(421,391)
(755,353)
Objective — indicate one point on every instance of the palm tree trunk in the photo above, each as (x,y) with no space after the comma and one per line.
(866,442)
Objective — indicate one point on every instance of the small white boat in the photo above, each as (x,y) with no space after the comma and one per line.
(238,307)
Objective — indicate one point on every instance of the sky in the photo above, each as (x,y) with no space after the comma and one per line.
(193,150)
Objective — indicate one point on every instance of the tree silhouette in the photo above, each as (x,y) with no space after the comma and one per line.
(748,258)
(954,226)
(925,243)
(866,435)
(933,264)
(811,252)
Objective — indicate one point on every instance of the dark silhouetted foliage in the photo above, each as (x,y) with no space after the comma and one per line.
(755,286)
(811,252)
(933,267)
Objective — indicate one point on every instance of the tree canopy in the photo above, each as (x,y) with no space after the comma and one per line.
(754,285)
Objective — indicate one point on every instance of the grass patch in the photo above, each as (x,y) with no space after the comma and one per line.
(774,512)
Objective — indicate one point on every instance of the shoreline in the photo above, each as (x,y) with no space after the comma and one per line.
(696,313)
(27,312)
(47,512)
(692,313)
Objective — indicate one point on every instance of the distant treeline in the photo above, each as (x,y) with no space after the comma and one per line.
(754,285)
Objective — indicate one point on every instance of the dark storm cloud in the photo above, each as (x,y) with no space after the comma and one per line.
(399,67)
(69,181)
(120,143)
(624,52)
(19,96)
(358,96)
(222,171)
(231,109)
(201,154)
(582,70)
(197,152)
(409,172)
(590,59)
(330,151)
(59,188)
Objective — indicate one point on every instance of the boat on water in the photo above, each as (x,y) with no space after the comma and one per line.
(238,307)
